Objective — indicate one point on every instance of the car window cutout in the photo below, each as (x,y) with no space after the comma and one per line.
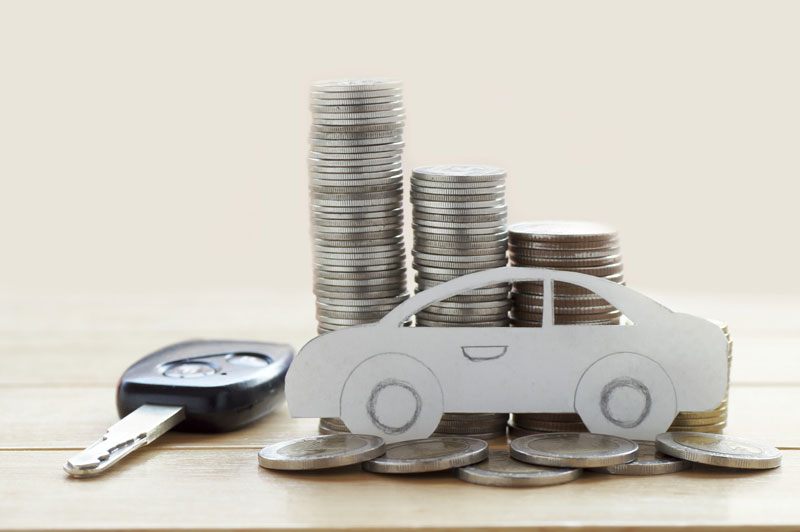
(526,304)
(576,305)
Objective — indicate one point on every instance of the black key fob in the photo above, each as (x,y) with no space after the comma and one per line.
(222,384)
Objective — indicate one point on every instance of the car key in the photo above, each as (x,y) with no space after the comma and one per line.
(199,385)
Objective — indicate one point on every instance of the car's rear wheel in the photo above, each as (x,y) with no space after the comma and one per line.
(628,395)
(393,396)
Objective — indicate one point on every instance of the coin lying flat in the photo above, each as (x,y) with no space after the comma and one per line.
(320,452)
(432,454)
(718,450)
(648,462)
(499,469)
(573,449)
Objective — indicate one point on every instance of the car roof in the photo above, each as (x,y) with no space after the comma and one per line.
(636,305)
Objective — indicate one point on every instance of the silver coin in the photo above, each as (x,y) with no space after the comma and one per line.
(424,322)
(718,450)
(319,210)
(321,452)
(360,117)
(389,248)
(463,319)
(391,241)
(563,230)
(367,189)
(351,145)
(325,96)
(357,111)
(327,314)
(457,258)
(447,304)
(326,307)
(359,122)
(459,171)
(356,128)
(495,238)
(370,253)
(496,218)
(365,175)
(500,307)
(355,156)
(458,187)
(447,200)
(423,283)
(356,85)
(356,135)
(648,462)
(357,108)
(392,99)
(469,194)
(374,161)
(462,211)
(392,300)
(432,454)
(353,170)
(368,91)
(342,233)
(499,469)
(355,294)
(573,449)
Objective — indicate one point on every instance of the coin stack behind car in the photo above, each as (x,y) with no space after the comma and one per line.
(459,222)
(584,247)
(356,190)
(356,194)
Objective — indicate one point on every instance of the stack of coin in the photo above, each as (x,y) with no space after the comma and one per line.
(356,189)
(712,421)
(459,222)
(582,247)
(356,181)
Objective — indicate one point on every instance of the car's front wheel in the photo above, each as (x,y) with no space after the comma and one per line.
(394,396)
(628,395)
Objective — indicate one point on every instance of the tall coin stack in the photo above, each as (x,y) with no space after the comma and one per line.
(356,181)
(459,222)
(583,247)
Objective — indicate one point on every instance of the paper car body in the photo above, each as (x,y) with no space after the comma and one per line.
(628,380)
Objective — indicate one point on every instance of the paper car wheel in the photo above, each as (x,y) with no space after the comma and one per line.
(627,395)
(393,396)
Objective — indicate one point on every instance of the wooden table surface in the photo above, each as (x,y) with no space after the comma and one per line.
(61,358)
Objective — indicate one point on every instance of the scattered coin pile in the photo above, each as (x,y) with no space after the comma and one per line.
(356,186)
(356,189)
(534,460)
(583,247)
(459,222)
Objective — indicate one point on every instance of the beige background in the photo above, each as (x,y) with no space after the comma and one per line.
(159,146)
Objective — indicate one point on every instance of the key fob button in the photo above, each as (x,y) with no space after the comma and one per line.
(250,360)
(189,370)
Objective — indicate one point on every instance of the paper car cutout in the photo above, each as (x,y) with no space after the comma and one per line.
(627,380)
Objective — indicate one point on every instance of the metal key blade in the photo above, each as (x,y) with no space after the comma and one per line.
(135,430)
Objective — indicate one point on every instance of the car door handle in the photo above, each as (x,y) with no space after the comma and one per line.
(479,353)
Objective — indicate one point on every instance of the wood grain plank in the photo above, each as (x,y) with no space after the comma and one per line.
(47,418)
(225,489)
